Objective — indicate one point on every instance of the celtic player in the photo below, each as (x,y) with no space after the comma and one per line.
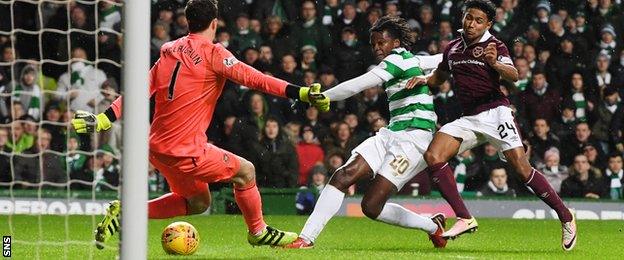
(394,155)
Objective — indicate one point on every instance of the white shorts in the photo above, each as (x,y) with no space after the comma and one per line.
(398,156)
(496,126)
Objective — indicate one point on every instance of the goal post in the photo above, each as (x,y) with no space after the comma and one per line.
(134,191)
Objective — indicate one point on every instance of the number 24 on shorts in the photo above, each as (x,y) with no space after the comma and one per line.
(506,126)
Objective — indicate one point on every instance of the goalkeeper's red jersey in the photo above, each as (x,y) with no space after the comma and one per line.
(185,83)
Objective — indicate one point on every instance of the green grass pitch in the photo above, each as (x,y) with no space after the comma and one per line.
(223,237)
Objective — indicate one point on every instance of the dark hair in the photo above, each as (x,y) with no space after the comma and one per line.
(614,155)
(272,118)
(200,13)
(498,167)
(371,109)
(608,91)
(249,49)
(484,5)
(520,58)
(397,28)
(577,71)
(537,71)
(222,30)
(374,10)
(311,1)
(280,135)
(289,54)
(541,118)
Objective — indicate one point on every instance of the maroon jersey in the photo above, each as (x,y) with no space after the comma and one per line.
(478,85)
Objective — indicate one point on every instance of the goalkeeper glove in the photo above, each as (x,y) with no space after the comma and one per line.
(314,96)
(85,122)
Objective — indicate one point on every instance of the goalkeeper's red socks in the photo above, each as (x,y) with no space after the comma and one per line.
(248,200)
(167,206)
(250,204)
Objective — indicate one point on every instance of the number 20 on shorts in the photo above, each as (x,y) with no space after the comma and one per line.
(399,165)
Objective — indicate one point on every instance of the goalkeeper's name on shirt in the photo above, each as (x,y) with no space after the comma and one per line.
(186,50)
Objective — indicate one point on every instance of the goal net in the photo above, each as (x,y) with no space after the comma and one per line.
(59,56)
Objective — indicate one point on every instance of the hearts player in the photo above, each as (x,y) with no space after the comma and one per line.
(477,61)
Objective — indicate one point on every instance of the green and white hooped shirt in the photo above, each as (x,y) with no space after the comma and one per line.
(409,108)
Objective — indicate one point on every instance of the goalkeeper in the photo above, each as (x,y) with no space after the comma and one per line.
(185,84)
(393,156)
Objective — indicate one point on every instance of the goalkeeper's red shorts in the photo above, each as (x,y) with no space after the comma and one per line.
(189,176)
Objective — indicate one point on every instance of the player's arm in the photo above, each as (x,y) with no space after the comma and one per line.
(440,72)
(353,86)
(226,65)
(429,62)
(506,71)
(385,71)
(86,122)
(436,78)
(497,56)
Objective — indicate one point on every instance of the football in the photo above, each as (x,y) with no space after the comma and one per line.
(180,238)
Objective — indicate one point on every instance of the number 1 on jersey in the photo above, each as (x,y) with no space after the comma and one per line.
(174,77)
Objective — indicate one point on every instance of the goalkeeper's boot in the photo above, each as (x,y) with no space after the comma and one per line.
(300,243)
(109,225)
(272,237)
(462,226)
(436,238)
(568,234)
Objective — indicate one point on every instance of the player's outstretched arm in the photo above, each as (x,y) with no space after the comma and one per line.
(429,63)
(353,86)
(434,78)
(437,77)
(86,122)
(225,64)
(342,91)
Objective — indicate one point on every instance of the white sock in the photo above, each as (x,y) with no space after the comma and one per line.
(326,207)
(395,214)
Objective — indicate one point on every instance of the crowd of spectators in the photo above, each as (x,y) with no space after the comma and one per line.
(568,53)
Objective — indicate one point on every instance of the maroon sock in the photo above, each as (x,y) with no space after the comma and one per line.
(442,176)
(544,191)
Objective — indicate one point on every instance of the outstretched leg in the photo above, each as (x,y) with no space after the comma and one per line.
(173,204)
(537,182)
(170,205)
(540,186)
(189,196)
(375,206)
(331,198)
